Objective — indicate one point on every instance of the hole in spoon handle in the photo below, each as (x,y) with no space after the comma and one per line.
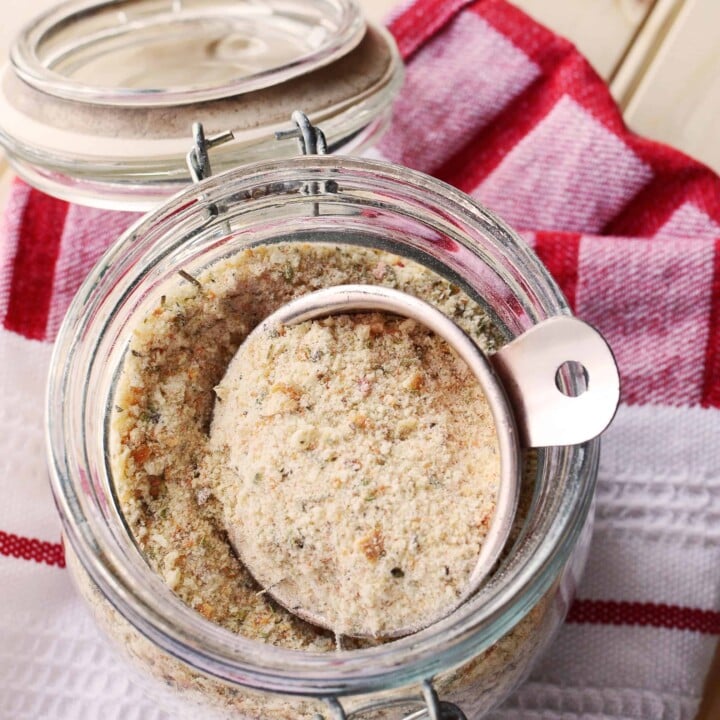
(528,367)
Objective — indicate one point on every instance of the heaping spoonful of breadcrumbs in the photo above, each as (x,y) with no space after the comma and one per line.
(359,462)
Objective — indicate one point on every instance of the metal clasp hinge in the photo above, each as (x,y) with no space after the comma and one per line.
(432,707)
(198,159)
(311,139)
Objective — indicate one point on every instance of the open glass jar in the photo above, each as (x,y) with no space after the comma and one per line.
(465,663)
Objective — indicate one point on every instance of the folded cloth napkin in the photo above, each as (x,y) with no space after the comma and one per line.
(510,113)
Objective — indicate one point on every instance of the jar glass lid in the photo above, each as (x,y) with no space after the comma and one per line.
(95,110)
(170,52)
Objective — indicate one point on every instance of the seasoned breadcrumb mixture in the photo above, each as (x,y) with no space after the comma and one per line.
(160,446)
(356,461)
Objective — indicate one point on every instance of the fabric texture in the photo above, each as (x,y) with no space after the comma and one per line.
(513,115)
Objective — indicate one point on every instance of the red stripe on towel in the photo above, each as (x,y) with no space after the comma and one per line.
(421,22)
(559,254)
(32,549)
(33,272)
(672,617)
(711,384)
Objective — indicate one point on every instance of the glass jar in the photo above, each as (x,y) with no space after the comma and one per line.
(98,99)
(469,660)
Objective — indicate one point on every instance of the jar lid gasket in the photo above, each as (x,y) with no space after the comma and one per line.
(172,52)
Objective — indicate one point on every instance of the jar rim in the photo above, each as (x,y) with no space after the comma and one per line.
(267,42)
(447,643)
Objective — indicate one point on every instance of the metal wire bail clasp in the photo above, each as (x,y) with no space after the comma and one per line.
(311,139)
(198,159)
(429,704)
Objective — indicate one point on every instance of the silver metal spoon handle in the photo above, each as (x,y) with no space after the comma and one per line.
(528,368)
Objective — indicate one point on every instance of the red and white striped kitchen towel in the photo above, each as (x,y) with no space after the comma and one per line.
(513,115)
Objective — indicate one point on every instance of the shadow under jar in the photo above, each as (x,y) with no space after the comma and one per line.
(472,658)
